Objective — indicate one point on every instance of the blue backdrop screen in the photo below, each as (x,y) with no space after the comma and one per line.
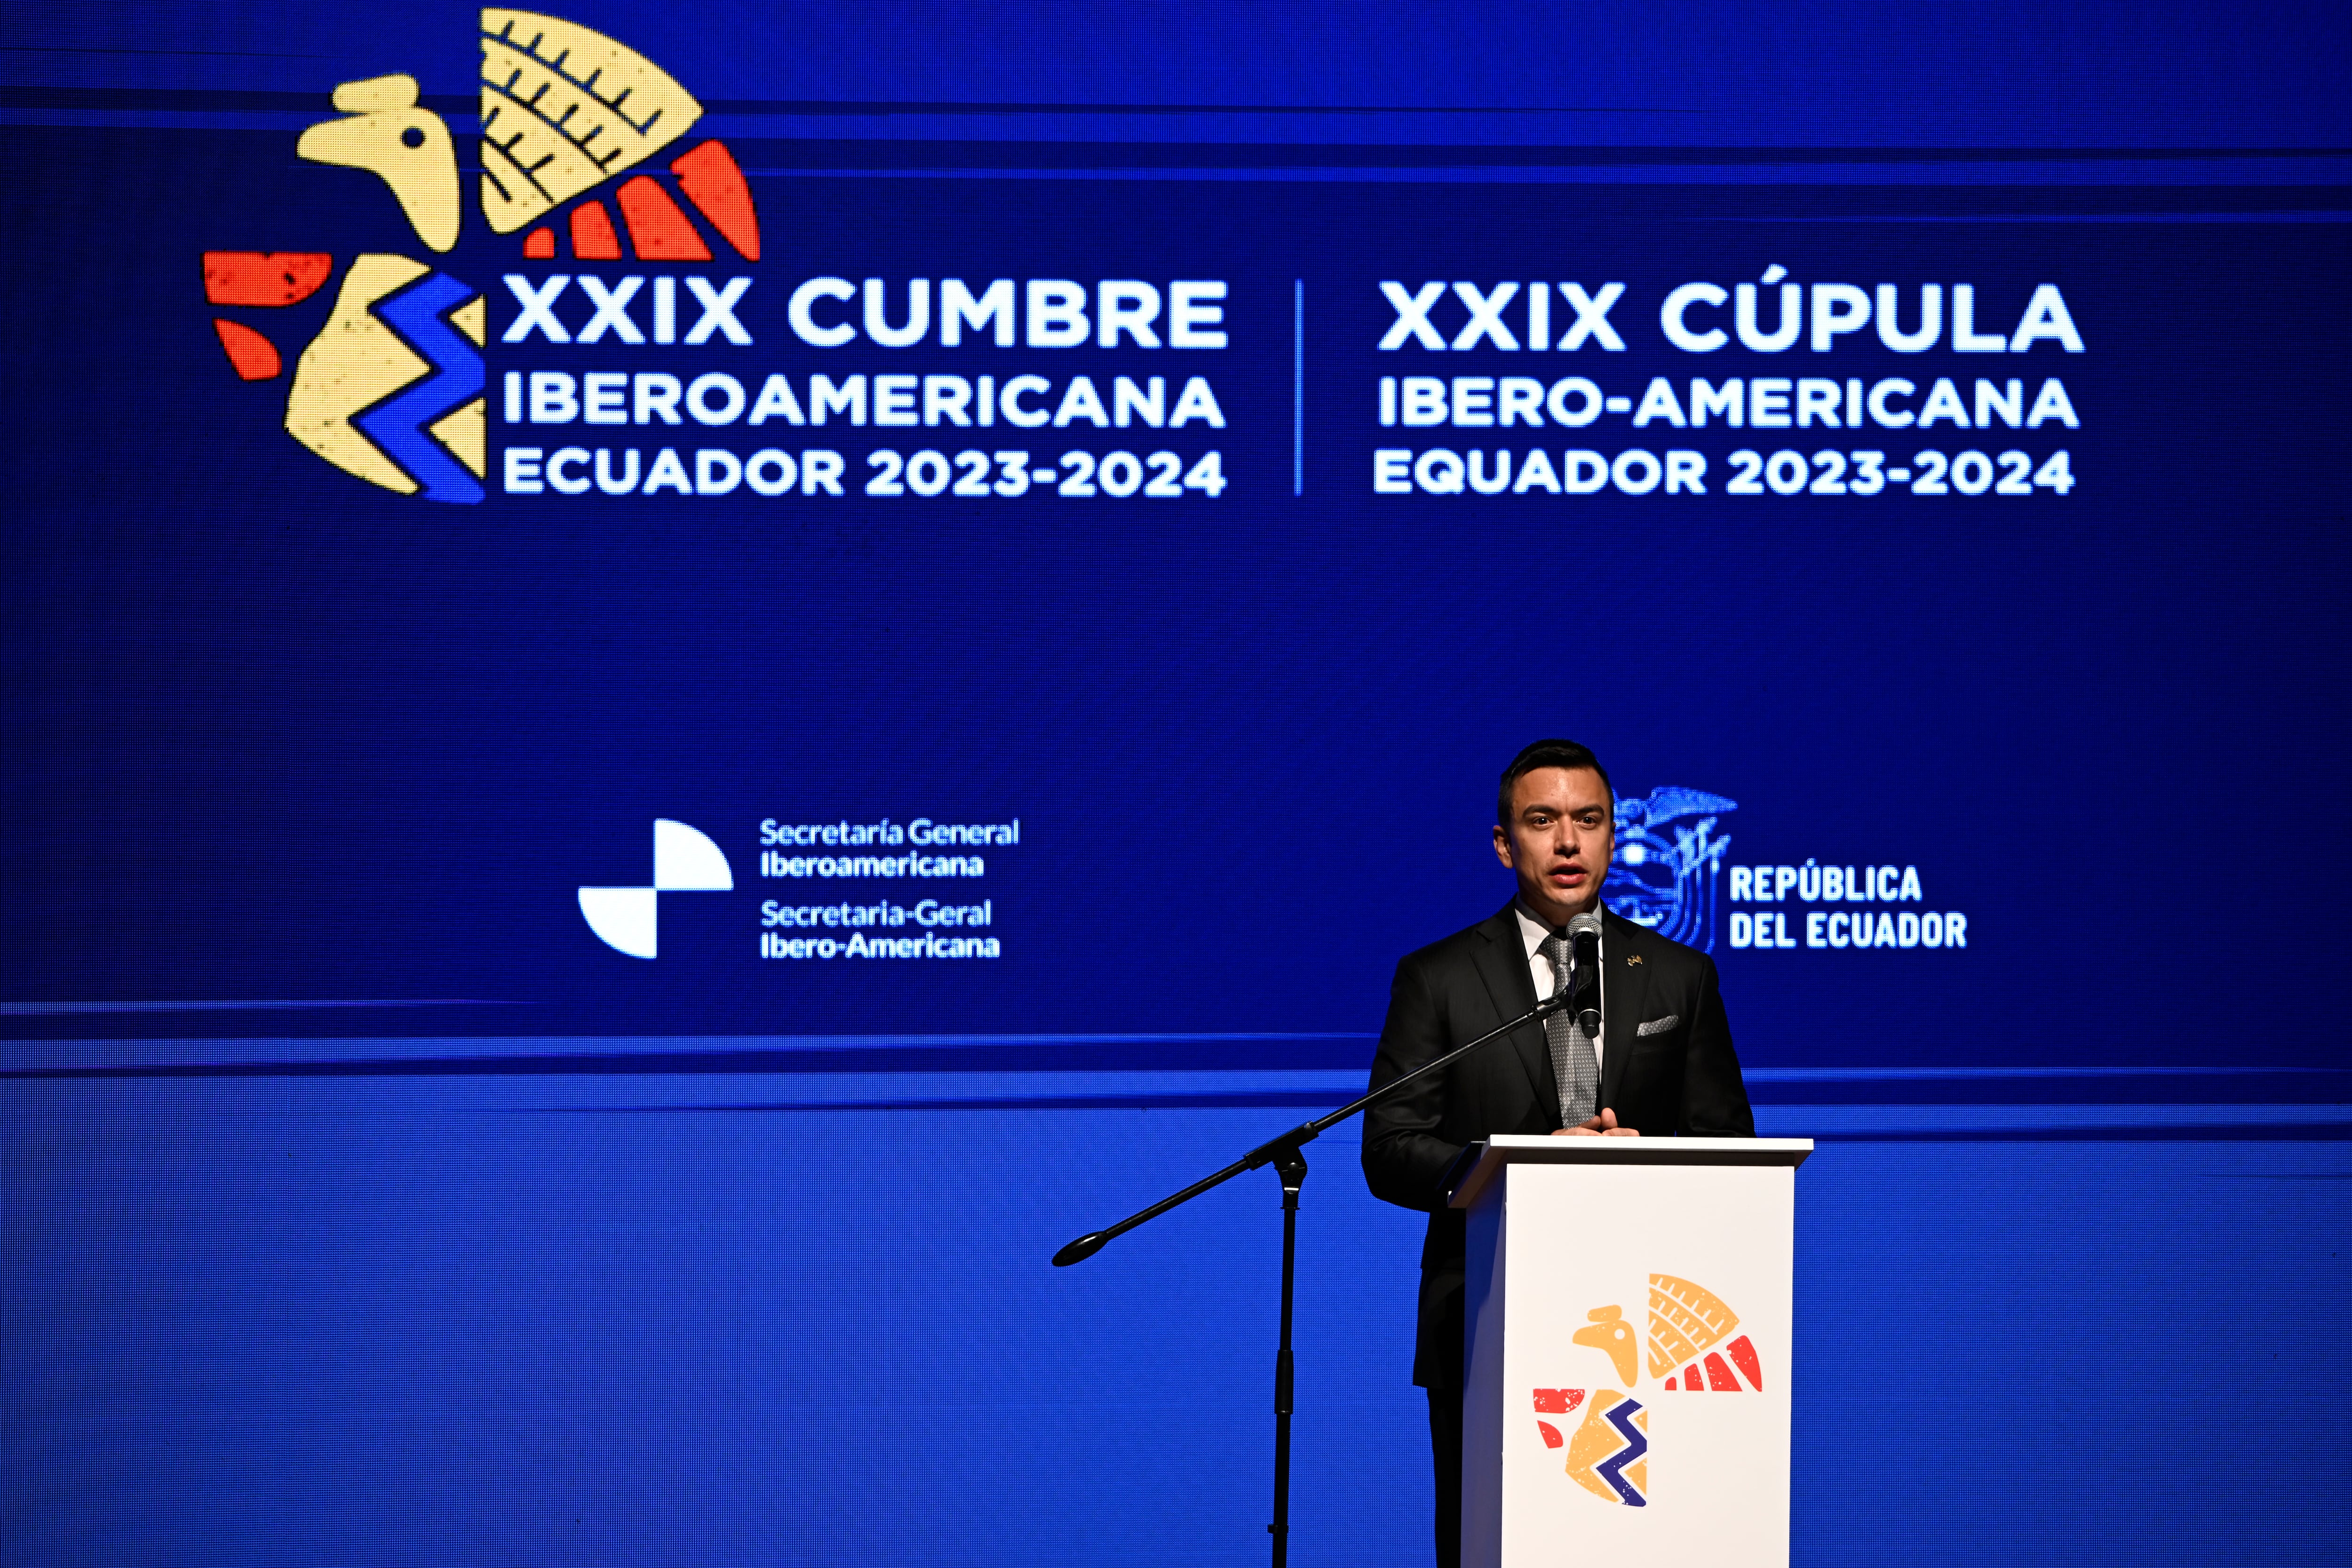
(638,767)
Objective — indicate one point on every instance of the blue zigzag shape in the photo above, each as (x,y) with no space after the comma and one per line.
(1636,1444)
(397,424)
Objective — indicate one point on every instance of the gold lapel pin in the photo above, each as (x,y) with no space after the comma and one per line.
(1632,959)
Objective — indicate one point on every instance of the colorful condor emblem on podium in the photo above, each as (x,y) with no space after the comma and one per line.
(391,389)
(1691,1347)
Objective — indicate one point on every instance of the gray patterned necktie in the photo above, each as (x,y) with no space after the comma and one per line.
(1575,1067)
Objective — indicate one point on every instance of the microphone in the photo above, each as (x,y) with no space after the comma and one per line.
(1584,939)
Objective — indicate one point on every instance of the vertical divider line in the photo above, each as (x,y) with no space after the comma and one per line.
(1298,387)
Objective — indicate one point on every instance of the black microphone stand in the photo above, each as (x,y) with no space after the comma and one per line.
(1290,1165)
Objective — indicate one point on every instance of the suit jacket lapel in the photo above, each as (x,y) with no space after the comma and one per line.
(1502,963)
(1624,997)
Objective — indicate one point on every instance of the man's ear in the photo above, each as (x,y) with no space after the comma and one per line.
(1503,846)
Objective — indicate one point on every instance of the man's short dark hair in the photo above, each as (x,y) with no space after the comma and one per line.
(1546,754)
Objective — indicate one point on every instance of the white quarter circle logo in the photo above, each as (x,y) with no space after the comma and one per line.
(685,861)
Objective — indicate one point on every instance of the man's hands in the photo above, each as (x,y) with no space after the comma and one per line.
(1602,1126)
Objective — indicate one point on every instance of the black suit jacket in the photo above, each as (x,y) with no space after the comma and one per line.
(1682,1078)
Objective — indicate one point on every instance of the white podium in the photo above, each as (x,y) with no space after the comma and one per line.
(1626,1391)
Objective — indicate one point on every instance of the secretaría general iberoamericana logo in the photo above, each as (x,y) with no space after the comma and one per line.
(1694,1347)
(686,860)
(391,389)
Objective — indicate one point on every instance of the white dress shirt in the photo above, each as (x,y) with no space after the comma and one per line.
(1533,932)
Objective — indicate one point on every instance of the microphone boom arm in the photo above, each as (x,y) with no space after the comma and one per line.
(1305,1132)
(1283,1154)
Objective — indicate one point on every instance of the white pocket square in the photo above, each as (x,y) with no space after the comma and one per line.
(1659,1026)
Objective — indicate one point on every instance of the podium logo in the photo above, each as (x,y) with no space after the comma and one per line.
(685,861)
(1608,1452)
(391,388)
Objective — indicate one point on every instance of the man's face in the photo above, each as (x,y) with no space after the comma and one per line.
(1562,831)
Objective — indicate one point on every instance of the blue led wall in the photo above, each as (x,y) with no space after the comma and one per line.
(612,829)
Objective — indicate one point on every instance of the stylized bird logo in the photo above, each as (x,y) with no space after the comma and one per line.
(1690,1346)
(391,390)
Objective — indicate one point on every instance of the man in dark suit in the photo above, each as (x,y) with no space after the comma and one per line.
(1664,1065)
